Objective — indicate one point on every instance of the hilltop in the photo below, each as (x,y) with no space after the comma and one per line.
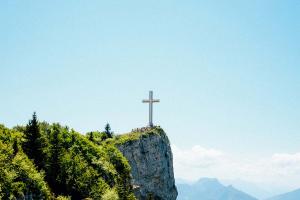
(68,165)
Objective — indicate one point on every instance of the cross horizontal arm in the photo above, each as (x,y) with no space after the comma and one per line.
(149,101)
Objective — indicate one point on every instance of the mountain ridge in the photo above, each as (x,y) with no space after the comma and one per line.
(210,189)
(293,195)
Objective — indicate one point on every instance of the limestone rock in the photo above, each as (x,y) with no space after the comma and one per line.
(151,161)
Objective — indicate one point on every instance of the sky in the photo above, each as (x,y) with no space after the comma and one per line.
(226,72)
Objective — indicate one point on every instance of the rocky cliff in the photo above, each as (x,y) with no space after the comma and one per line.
(150,157)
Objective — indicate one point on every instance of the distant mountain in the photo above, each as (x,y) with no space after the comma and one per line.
(210,189)
(294,195)
(183,181)
(258,190)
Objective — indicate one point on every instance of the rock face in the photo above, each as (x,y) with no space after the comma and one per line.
(151,161)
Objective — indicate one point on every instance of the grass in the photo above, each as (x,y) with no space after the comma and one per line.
(137,134)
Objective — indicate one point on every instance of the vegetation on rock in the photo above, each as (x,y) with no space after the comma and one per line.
(137,134)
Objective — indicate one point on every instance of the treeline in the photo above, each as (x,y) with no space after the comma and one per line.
(50,161)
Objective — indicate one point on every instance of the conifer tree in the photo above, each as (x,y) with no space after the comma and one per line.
(108,131)
(34,143)
(54,159)
(91,136)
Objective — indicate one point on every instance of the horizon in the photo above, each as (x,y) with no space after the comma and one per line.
(227,75)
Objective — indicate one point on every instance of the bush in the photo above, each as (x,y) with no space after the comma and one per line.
(110,195)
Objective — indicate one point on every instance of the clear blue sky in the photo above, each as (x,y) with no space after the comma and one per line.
(227,72)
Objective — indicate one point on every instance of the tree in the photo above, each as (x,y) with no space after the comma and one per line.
(15,147)
(56,151)
(91,136)
(34,143)
(108,131)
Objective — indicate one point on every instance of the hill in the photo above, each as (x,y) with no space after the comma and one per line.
(72,166)
(260,191)
(210,189)
(294,195)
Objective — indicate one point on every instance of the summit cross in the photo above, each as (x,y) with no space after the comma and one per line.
(151,101)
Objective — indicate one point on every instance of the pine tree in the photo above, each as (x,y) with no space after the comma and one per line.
(108,131)
(34,143)
(55,157)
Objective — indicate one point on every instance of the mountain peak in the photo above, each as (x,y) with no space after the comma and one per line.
(209,182)
(210,188)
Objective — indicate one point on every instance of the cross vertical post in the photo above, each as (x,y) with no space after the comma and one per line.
(150,109)
(151,101)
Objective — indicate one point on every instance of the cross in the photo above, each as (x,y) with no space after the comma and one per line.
(150,101)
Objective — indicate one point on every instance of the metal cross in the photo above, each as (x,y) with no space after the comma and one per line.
(150,101)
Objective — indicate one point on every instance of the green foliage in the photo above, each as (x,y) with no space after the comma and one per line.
(120,163)
(137,135)
(82,169)
(110,195)
(73,166)
(18,175)
(34,143)
(108,131)
(97,137)
(63,198)
(55,152)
